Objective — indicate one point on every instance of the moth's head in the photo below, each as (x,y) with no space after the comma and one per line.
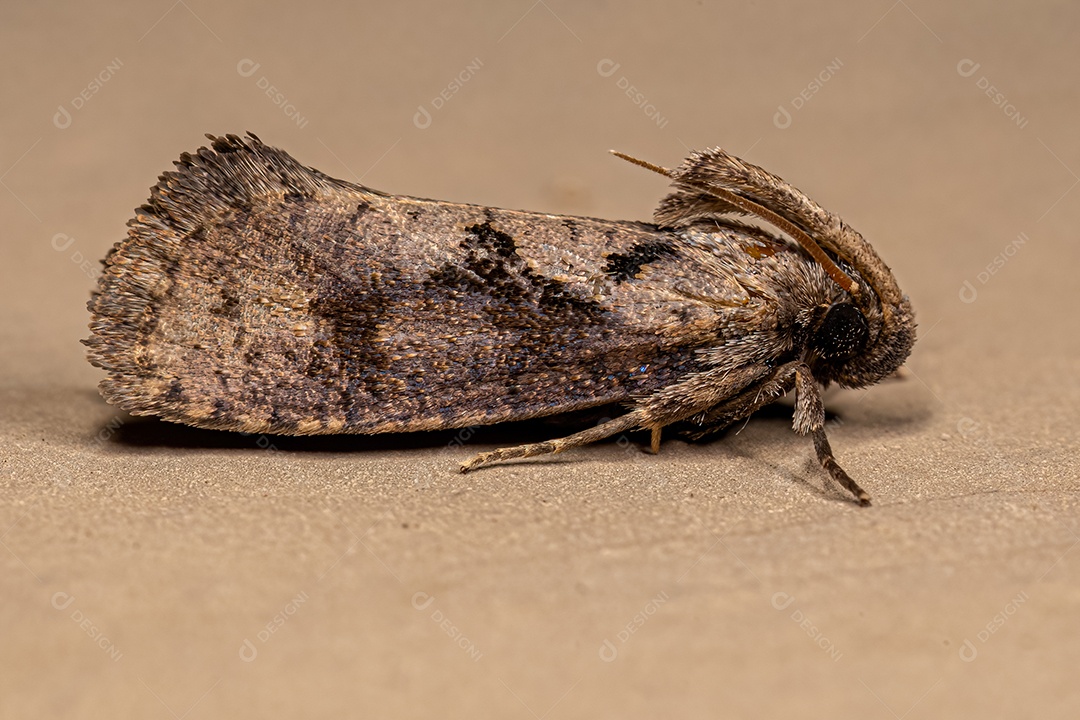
(868,330)
(860,339)
(867,333)
(881,355)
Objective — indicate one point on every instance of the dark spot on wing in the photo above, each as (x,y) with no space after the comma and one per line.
(230,303)
(361,209)
(624,266)
(485,236)
(503,285)
(175,393)
(292,192)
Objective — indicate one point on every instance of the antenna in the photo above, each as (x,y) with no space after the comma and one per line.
(752,208)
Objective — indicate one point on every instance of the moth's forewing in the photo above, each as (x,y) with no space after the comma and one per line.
(256,294)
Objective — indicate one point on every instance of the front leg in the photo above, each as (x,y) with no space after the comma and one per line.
(809,416)
(810,419)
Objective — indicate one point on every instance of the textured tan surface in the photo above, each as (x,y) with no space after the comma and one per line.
(177,546)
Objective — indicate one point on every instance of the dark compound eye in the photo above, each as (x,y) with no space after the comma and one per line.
(843,333)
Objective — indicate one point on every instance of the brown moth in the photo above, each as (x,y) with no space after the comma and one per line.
(255,294)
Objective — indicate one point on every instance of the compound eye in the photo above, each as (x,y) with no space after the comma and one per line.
(843,333)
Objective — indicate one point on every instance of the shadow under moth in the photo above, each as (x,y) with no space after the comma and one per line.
(255,294)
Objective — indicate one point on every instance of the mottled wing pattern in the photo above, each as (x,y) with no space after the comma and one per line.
(255,294)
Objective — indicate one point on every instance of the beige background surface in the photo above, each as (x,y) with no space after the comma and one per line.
(149,570)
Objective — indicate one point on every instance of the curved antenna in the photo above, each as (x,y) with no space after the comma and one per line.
(752,208)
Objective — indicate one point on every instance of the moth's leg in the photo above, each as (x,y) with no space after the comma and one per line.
(693,396)
(746,403)
(809,415)
(671,404)
(810,418)
(654,446)
(699,394)
(622,423)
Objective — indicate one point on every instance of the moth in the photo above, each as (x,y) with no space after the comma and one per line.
(255,294)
